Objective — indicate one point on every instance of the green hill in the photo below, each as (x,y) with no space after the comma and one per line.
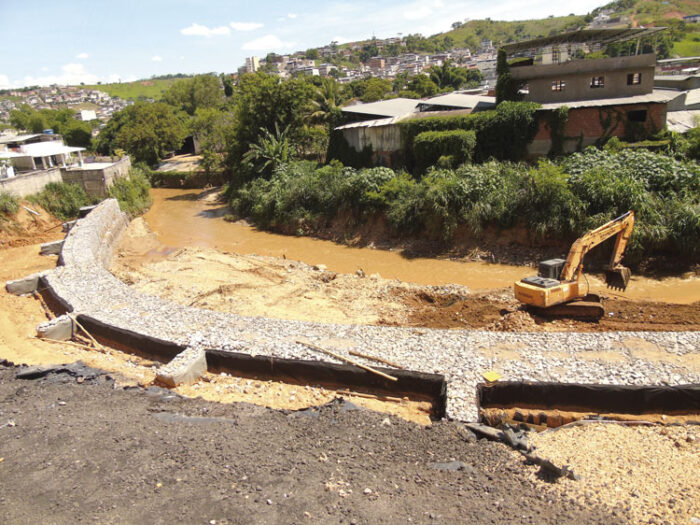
(139,89)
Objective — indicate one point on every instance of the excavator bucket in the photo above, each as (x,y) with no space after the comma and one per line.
(618,278)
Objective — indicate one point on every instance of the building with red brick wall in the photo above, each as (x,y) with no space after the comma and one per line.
(592,122)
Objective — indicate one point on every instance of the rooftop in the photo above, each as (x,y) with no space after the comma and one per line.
(394,107)
(658,95)
(460,100)
(46,149)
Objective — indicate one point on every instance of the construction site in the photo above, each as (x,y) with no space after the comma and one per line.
(264,378)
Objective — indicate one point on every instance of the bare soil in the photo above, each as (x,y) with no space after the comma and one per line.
(25,228)
(82,451)
(651,472)
(256,285)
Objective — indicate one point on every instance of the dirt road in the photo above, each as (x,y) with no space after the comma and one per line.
(86,452)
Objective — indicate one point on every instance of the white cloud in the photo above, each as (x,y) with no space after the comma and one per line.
(267,43)
(4,82)
(245,26)
(156,58)
(44,69)
(292,15)
(200,30)
(71,74)
(82,56)
(418,13)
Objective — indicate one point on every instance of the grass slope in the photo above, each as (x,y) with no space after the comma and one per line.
(136,90)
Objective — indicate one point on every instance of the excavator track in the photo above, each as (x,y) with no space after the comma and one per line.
(589,308)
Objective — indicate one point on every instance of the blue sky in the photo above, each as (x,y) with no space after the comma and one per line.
(68,42)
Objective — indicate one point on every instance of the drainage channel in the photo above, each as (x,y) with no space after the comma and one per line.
(545,404)
(416,386)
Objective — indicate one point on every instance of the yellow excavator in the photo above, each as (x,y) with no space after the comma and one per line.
(557,289)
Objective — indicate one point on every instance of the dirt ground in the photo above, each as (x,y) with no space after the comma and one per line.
(651,472)
(181,163)
(25,228)
(82,451)
(275,287)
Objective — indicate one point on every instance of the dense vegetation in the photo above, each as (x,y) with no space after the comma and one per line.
(552,200)
(8,204)
(62,200)
(132,192)
(61,121)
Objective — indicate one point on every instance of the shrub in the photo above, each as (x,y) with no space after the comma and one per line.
(430,146)
(132,193)
(9,205)
(61,199)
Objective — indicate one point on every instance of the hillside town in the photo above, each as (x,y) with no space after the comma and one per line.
(89,104)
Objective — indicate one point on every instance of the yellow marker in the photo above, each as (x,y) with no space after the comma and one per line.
(491,376)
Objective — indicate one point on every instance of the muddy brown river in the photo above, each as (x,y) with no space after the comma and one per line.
(180,219)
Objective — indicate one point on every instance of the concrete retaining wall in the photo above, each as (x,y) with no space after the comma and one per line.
(29,183)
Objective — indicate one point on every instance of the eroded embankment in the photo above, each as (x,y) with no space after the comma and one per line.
(86,287)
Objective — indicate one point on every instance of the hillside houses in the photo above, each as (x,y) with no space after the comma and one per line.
(59,97)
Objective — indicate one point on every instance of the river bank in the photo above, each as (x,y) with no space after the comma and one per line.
(194,219)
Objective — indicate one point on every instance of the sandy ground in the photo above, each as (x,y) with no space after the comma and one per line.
(18,344)
(181,163)
(650,472)
(255,285)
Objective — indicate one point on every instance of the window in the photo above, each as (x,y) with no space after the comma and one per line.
(638,115)
(597,82)
(558,85)
(634,79)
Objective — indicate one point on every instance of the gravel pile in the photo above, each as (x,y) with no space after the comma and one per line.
(462,356)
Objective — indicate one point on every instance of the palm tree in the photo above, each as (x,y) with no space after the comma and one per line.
(327,101)
(271,150)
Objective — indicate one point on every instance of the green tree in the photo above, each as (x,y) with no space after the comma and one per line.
(19,118)
(376,89)
(448,76)
(36,123)
(262,102)
(144,130)
(78,134)
(190,94)
(507,88)
(423,85)
(312,54)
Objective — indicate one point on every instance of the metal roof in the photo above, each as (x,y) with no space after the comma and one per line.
(374,123)
(583,36)
(46,149)
(459,100)
(18,138)
(660,95)
(393,107)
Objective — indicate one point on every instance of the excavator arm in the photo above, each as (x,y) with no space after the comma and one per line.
(617,276)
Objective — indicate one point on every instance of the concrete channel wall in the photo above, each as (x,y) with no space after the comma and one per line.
(110,308)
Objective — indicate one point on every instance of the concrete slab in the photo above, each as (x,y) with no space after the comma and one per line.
(60,329)
(27,284)
(51,248)
(187,367)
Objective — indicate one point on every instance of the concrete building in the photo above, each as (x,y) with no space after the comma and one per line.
(29,162)
(252,64)
(576,80)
